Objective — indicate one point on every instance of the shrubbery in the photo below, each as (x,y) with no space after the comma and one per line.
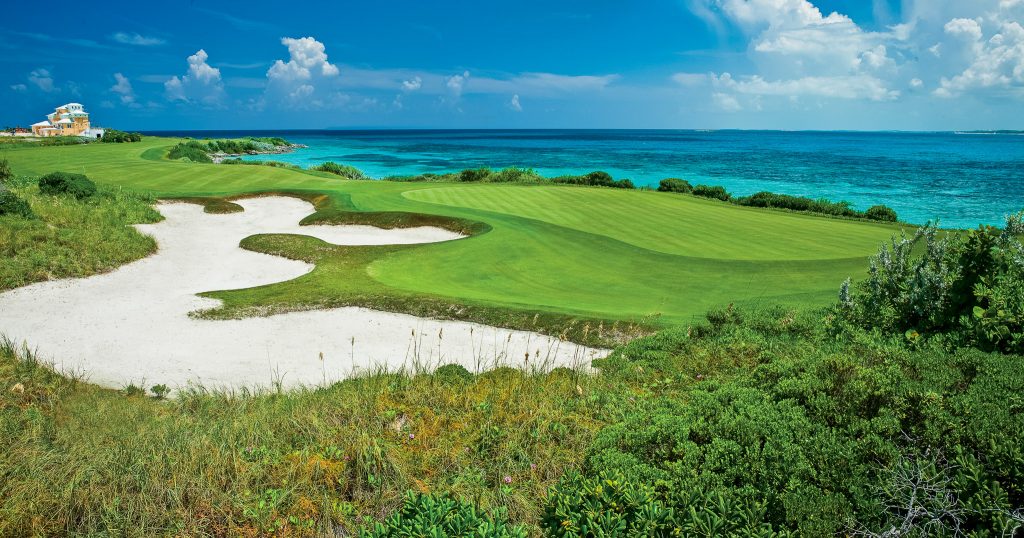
(881,212)
(473,175)
(797,203)
(343,170)
(675,185)
(115,136)
(708,191)
(441,516)
(76,185)
(6,175)
(595,179)
(191,151)
(967,288)
(761,428)
(11,204)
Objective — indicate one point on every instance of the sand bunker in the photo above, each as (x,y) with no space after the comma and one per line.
(132,325)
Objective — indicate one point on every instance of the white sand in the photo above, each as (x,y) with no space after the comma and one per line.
(132,326)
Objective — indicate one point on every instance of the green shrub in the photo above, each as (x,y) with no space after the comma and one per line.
(6,175)
(442,516)
(472,175)
(882,213)
(191,151)
(10,204)
(707,191)
(798,203)
(453,372)
(594,179)
(675,185)
(514,174)
(606,505)
(343,170)
(968,287)
(76,185)
(117,137)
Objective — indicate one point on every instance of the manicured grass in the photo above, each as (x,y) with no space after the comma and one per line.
(589,254)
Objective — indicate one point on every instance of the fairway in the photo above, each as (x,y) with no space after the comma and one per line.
(560,251)
(673,224)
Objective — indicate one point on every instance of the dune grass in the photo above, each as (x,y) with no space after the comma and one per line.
(71,238)
(301,463)
(578,253)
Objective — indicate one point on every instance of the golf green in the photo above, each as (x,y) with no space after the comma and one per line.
(594,253)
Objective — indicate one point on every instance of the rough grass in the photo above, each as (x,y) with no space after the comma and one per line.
(71,238)
(79,460)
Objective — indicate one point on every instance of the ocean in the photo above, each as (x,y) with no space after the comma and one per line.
(960,179)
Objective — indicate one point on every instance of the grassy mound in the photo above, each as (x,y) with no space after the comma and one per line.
(68,237)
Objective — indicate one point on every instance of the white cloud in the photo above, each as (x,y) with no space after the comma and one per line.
(726,102)
(540,84)
(839,87)
(42,79)
(307,57)
(201,83)
(916,83)
(294,83)
(690,79)
(997,62)
(136,39)
(455,83)
(123,88)
(19,87)
(514,103)
(413,84)
(967,28)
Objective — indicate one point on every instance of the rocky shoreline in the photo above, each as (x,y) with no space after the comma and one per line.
(219,156)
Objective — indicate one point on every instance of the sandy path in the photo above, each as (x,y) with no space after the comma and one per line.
(132,326)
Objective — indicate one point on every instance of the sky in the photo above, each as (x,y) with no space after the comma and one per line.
(660,64)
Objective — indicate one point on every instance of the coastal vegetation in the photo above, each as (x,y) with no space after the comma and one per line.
(749,392)
(46,235)
(119,137)
(343,170)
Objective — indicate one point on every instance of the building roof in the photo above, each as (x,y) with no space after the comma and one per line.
(41,124)
(64,121)
(73,105)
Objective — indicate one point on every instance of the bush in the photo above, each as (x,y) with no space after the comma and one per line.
(191,151)
(76,185)
(814,434)
(594,179)
(514,174)
(115,136)
(675,185)
(442,516)
(343,170)
(453,372)
(969,288)
(881,212)
(707,191)
(10,204)
(472,175)
(6,175)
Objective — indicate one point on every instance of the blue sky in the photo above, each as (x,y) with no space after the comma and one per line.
(776,64)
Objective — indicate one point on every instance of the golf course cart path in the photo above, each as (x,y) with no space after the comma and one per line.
(132,325)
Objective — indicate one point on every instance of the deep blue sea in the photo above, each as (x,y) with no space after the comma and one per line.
(961,179)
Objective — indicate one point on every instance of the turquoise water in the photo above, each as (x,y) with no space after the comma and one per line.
(961,179)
